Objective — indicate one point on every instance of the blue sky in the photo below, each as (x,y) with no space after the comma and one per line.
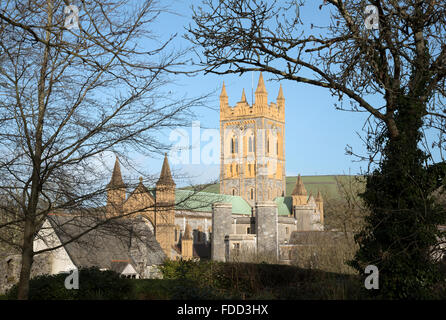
(316,134)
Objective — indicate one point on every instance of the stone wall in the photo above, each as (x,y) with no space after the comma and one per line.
(267,229)
(221,226)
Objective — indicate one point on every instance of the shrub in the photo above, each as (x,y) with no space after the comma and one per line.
(93,284)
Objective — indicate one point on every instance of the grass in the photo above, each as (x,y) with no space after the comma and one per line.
(326,184)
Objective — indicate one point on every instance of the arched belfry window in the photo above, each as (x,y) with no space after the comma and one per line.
(234,145)
(250,144)
(267,144)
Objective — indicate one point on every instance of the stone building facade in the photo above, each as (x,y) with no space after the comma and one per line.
(252,163)
(251,210)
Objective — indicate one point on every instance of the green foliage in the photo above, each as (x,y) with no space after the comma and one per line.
(210,280)
(93,284)
(402,227)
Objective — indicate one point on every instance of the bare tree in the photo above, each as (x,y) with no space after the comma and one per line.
(346,211)
(73,87)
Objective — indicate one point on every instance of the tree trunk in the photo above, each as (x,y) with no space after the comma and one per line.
(27,260)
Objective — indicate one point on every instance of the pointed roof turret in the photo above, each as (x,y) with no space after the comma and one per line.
(243,96)
(116,179)
(280,95)
(223,91)
(261,85)
(299,188)
(187,233)
(261,94)
(166,175)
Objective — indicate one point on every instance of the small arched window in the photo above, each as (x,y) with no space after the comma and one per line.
(252,194)
(267,145)
(233,192)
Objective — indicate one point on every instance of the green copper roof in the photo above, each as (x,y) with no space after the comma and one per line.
(202,201)
(284,205)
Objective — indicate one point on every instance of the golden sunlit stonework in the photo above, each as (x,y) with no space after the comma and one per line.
(252,146)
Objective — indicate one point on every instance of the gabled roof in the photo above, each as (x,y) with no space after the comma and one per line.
(140,189)
(119,266)
(116,240)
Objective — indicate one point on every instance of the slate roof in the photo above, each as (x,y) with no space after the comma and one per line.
(117,240)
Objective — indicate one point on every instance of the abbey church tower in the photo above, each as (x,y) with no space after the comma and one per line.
(252,146)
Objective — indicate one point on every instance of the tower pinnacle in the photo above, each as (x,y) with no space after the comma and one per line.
(299,188)
(116,179)
(166,176)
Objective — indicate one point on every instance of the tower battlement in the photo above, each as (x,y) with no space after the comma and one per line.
(260,107)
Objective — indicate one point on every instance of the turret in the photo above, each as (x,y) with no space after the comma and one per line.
(261,94)
(187,248)
(280,101)
(165,209)
(115,191)
(320,205)
(299,193)
(223,97)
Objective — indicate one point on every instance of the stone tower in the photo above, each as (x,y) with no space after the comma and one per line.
(115,192)
(165,209)
(252,146)
(187,248)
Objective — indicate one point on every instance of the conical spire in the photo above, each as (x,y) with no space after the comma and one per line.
(319,197)
(187,233)
(261,85)
(299,188)
(165,176)
(243,96)
(280,95)
(223,91)
(261,94)
(116,179)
